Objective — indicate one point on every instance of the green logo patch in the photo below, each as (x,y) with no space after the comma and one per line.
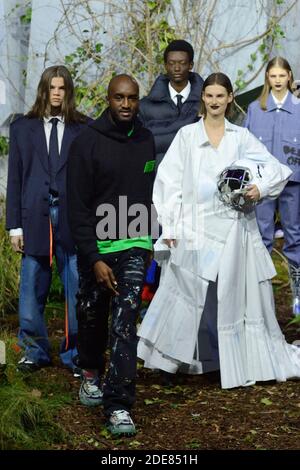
(149,166)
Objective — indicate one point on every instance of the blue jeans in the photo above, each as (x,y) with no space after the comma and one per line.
(36,275)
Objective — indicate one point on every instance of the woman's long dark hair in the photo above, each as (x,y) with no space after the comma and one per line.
(221,79)
(42,106)
(275,62)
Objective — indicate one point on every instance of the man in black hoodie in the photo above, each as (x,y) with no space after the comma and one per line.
(174,100)
(110,178)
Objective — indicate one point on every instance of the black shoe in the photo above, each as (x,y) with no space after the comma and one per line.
(27,366)
(77,372)
(167,379)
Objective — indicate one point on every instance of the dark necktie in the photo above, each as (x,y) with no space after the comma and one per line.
(53,155)
(179,102)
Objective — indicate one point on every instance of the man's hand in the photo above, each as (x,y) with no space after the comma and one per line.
(252,194)
(104,274)
(17,243)
(170,242)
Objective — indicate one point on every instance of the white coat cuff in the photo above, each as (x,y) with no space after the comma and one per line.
(263,189)
(15,232)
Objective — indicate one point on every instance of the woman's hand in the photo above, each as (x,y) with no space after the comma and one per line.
(252,193)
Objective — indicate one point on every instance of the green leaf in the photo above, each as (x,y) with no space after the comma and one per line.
(252,431)
(4,145)
(135,444)
(240,84)
(193,444)
(294,320)
(151,5)
(69,58)
(105,433)
(169,391)
(262,48)
(26,18)
(153,401)
(266,401)
(80,51)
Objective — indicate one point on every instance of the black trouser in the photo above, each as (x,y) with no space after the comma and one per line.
(129,268)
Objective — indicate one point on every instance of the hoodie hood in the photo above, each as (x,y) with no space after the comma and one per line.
(160,88)
(105,126)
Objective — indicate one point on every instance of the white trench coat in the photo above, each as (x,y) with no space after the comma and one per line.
(214,307)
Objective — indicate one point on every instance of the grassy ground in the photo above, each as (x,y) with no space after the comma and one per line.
(42,410)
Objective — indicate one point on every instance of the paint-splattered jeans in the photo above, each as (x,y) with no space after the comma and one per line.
(93,307)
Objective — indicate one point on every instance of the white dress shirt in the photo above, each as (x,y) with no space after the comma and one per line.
(60,130)
(278,103)
(14,232)
(184,93)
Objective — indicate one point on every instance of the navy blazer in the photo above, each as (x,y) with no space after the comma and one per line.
(27,204)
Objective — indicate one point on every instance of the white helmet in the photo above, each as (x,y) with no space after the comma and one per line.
(233,182)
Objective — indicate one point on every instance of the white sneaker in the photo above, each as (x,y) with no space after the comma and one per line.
(90,394)
(296,306)
(26,365)
(294,275)
(120,422)
(279,233)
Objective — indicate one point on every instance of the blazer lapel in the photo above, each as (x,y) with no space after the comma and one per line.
(39,140)
(70,132)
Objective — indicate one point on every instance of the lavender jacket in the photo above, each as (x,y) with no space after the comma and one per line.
(279,130)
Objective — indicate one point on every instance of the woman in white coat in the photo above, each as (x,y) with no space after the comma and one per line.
(214,307)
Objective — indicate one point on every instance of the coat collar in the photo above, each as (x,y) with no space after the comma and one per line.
(70,132)
(48,118)
(203,140)
(39,140)
(160,88)
(287,105)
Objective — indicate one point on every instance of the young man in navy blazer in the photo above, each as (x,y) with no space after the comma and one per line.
(37,213)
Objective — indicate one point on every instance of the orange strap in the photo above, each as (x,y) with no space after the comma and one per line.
(51,244)
(66,325)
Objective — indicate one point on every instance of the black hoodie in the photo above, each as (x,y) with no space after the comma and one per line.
(105,163)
